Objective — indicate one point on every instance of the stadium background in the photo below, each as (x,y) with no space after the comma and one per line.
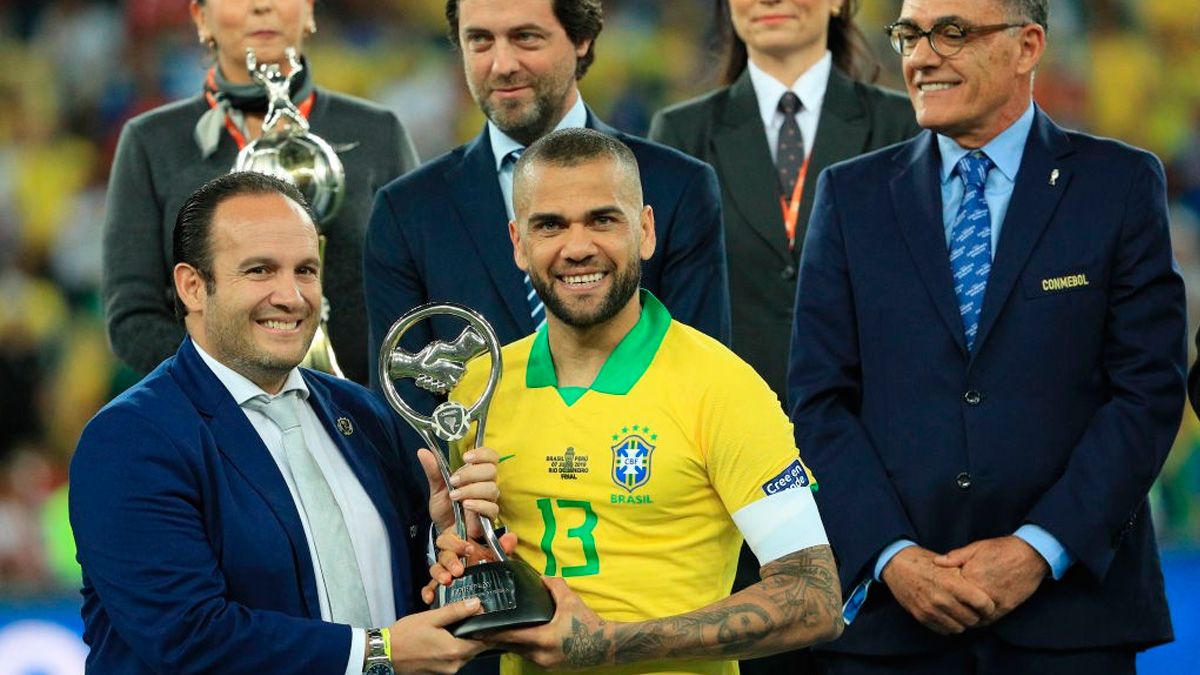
(73,71)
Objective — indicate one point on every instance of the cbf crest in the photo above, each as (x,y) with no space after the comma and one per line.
(632,454)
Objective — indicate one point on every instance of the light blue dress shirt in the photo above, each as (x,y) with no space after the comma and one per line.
(502,144)
(1005,151)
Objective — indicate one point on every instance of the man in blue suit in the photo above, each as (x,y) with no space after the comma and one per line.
(440,233)
(987,370)
(236,514)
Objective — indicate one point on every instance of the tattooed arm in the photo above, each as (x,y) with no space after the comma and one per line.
(797,603)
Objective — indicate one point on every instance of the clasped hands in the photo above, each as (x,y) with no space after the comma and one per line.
(967,587)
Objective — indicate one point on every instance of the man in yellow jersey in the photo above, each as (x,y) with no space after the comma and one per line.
(636,452)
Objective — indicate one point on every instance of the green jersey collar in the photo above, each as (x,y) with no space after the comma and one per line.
(623,368)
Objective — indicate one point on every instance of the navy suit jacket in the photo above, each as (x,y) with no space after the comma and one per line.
(1061,416)
(440,234)
(194,557)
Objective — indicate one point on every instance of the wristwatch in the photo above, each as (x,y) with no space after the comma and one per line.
(379,661)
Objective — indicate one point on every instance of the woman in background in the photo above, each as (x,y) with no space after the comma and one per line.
(165,154)
(794,100)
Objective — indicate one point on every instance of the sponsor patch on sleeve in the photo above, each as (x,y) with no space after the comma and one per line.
(793,476)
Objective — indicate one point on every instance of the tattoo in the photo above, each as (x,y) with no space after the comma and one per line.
(797,603)
(584,648)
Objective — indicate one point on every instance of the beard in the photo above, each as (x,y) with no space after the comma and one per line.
(234,345)
(525,122)
(625,284)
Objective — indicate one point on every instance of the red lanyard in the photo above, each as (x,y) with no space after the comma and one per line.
(305,108)
(791,209)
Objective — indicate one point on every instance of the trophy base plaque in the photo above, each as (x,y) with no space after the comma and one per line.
(498,585)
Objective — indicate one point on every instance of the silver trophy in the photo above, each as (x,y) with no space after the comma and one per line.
(510,590)
(288,151)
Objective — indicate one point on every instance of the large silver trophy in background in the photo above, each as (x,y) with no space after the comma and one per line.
(510,590)
(289,151)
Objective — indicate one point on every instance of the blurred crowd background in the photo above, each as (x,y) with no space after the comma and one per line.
(73,71)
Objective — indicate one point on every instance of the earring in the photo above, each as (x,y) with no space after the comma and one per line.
(208,41)
(311,28)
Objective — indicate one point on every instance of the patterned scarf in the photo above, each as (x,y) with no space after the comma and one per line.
(228,104)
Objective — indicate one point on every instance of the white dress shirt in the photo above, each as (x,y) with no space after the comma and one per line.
(809,87)
(367,533)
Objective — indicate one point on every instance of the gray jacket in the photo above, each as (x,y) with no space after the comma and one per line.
(158,165)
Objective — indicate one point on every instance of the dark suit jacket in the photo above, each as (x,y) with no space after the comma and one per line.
(440,234)
(725,129)
(1061,417)
(194,557)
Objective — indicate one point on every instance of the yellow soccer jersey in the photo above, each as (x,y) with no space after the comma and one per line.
(628,489)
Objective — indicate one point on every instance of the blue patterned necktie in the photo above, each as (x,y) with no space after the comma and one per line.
(537,311)
(971,243)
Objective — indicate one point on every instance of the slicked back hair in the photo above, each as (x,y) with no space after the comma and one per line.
(581,19)
(573,147)
(191,242)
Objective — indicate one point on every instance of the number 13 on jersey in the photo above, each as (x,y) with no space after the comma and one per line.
(569,511)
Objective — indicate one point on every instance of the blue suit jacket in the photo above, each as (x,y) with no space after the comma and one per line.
(440,234)
(193,554)
(1062,416)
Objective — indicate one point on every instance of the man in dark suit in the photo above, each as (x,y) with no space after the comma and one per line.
(236,514)
(440,233)
(988,370)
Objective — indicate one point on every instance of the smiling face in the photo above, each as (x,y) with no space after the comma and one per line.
(263,307)
(519,64)
(268,27)
(581,233)
(979,92)
(780,28)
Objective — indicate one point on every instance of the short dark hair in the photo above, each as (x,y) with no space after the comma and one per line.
(1034,11)
(191,241)
(581,19)
(572,147)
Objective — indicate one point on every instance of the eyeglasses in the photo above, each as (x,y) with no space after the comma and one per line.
(946,39)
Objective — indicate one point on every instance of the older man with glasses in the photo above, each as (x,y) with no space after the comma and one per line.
(987,370)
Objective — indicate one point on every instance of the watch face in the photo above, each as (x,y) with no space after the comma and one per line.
(379,669)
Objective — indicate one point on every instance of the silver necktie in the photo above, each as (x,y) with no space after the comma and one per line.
(327,526)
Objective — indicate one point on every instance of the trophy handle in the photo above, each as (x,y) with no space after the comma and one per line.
(451,420)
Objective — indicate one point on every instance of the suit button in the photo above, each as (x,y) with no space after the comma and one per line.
(973,397)
(788,273)
(963,481)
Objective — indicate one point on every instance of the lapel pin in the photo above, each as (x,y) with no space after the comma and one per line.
(344,426)
(1054,178)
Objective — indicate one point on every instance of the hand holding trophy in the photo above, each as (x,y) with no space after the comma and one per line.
(510,591)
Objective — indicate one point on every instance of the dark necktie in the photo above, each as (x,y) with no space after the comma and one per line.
(789,151)
(971,242)
(537,311)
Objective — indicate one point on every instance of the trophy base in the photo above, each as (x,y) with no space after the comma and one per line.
(511,592)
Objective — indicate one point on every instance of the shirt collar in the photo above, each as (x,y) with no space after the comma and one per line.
(810,87)
(623,368)
(502,143)
(1004,150)
(243,389)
